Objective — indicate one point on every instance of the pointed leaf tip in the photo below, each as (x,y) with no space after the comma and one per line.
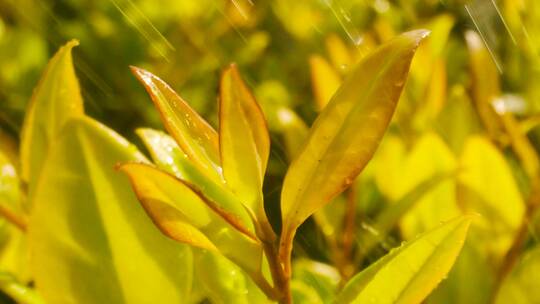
(244,141)
(417,35)
(193,134)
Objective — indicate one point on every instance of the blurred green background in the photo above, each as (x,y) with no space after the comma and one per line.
(188,42)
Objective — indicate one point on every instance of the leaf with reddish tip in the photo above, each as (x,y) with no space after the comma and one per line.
(56,98)
(347,132)
(194,135)
(244,140)
(184,215)
(169,157)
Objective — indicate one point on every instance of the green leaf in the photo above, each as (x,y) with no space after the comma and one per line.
(224,282)
(347,133)
(243,140)
(56,98)
(409,273)
(91,240)
(324,279)
(169,157)
(194,135)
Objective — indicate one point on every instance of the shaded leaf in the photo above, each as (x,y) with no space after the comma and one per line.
(409,273)
(18,291)
(521,286)
(486,86)
(390,216)
(324,279)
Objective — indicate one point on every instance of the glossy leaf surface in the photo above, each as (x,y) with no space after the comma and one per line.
(243,139)
(168,156)
(194,135)
(345,135)
(56,98)
(184,216)
(409,273)
(91,240)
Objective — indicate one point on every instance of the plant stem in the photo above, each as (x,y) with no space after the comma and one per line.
(285,255)
(15,219)
(348,232)
(270,242)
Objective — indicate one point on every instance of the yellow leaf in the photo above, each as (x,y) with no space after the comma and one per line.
(56,98)
(243,140)
(185,216)
(324,80)
(192,133)
(486,186)
(91,241)
(346,134)
(409,273)
(169,157)
(485,84)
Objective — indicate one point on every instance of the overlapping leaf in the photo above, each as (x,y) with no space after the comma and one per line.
(194,135)
(91,240)
(183,215)
(169,157)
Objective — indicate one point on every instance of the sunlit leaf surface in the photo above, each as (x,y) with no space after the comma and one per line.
(409,273)
(169,157)
(194,135)
(56,98)
(183,215)
(243,139)
(91,240)
(346,134)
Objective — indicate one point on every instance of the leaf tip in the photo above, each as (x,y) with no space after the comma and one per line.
(72,43)
(418,35)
